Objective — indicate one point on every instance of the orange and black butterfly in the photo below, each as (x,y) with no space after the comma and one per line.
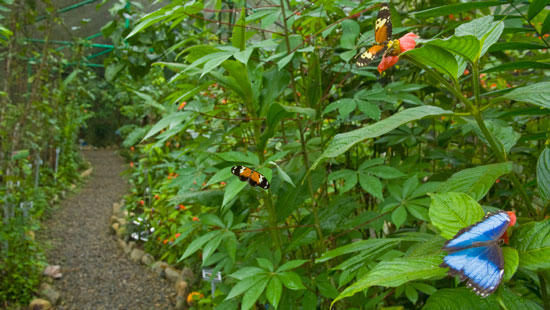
(254,178)
(382,36)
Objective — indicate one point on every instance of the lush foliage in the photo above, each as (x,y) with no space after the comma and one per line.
(43,104)
(369,173)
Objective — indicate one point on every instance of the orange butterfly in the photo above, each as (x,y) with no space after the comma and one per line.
(382,36)
(254,178)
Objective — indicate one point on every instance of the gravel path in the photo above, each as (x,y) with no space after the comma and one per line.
(96,274)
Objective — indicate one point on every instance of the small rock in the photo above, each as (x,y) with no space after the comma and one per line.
(72,187)
(131,245)
(86,172)
(40,304)
(182,288)
(187,275)
(172,274)
(136,255)
(116,208)
(180,303)
(121,232)
(147,259)
(53,271)
(158,267)
(114,219)
(49,293)
(114,228)
(121,244)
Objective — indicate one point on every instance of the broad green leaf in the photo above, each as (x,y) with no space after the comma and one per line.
(239,157)
(532,241)
(274,290)
(238,39)
(291,280)
(545,25)
(435,57)
(385,172)
(314,81)
(466,46)
(537,94)
(450,212)
(516,302)
(393,273)
(371,185)
(543,175)
(350,31)
(505,135)
(250,297)
(198,243)
(221,175)
(305,111)
(246,284)
(344,141)
(517,65)
(246,272)
(214,63)
(399,216)
(370,109)
(459,299)
(506,46)
(455,8)
(285,60)
(233,188)
(511,260)
(146,21)
(363,245)
(169,121)
(211,246)
(265,263)
(484,29)
(476,181)
(112,71)
(284,175)
(411,294)
(292,264)
(243,55)
(535,7)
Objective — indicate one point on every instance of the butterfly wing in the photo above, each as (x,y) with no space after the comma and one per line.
(257,179)
(490,228)
(242,172)
(383,27)
(483,267)
(365,58)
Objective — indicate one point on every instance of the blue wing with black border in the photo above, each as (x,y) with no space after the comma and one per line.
(490,228)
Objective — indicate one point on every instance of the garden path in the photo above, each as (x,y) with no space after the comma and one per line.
(96,273)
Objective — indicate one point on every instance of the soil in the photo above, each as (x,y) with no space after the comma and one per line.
(96,273)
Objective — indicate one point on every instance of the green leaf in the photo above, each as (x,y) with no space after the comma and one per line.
(535,7)
(291,280)
(350,31)
(306,111)
(292,264)
(283,174)
(537,94)
(455,8)
(511,261)
(370,109)
(344,141)
(520,46)
(170,120)
(245,285)
(212,245)
(450,212)
(265,263)
(396,272)
(466,46)
(399,216)
(385,172)
(273,292)
(369,245)
(543,175)
(238,39)
(112,71)
(198,243)
(545,25)
(435,57)
(233,189)
(504,134)
(411,294)
(239,157)
(516,302)
(221,175)
(484,29)
(476,181)
(459,299)
(250,297)
(532,241)
(246,272)
(517,65)
(371,185)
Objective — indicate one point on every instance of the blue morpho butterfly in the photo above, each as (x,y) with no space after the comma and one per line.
(475,253)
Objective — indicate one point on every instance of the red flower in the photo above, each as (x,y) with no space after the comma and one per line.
(177,235)
(141,202)
(165,241)
(195,219)
(466,72)
(157,197)
(132,164)
(182,207)
(182,105)
(132,148)
(406,42)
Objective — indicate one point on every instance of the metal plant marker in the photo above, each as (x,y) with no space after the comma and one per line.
(57,152)
(207,276)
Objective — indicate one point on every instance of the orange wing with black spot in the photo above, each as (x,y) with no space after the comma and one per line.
(382,34)
(254,178)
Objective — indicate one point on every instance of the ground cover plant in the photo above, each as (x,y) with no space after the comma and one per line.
(370,169)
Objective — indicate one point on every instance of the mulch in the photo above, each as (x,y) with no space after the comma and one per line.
(96,273)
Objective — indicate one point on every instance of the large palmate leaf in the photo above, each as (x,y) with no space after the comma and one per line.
(459,299)
(532,241)
(543,174)
(343,142)
(538,94)
(396,272)
(450,212)
(477,181)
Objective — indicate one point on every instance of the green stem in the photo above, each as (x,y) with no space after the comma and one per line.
(499,153)
(475,82)
(544,291)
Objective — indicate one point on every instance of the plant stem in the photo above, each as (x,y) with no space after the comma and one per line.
(475,83)
(500,154)
(543,291)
